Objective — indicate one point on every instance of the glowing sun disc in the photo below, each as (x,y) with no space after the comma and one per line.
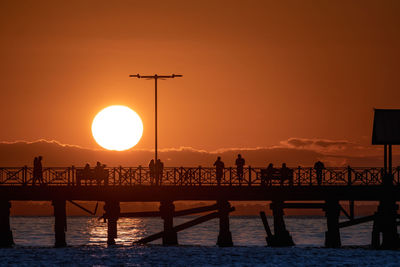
(117,128)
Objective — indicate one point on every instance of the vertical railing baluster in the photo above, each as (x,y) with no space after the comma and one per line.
(199,175)
(140,175)
(230,176)
(348,175)
(298,175)
(310,176)
(249,175)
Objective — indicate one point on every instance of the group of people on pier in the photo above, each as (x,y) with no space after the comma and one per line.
(156,171)
(99,174)
(268,174)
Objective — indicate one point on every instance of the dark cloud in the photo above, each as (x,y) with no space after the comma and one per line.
(322,143)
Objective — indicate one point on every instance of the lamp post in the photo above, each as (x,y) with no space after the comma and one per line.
(155,77)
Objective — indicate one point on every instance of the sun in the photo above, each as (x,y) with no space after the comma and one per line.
(117,128)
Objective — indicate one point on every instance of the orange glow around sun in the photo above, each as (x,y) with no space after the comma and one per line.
(117,128)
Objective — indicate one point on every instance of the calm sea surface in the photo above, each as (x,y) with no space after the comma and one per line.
(86,238)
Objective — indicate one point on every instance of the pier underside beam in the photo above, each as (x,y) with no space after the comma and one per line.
(332,236)
(112,210)
(225,235)
(182,226)
(60,222)
(6,236)
(282,238)
(176,213)
(170,237)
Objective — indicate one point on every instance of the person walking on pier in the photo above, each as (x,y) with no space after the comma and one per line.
(267,175)
(152,167)
(34,173)
(219,169)
(319,166)
(38,170)
(239,168)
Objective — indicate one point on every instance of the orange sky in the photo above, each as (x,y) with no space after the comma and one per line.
(255,72)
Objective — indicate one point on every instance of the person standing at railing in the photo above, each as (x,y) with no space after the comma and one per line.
(152,167)
(319,166)
(239,168)
(219,170)
(34,173)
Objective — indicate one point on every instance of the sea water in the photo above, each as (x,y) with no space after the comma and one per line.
(87,236)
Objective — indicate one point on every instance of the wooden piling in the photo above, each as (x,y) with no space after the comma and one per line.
(332,213)
(112,210)
(282,238)
(60,222)
(385,224)
(167,210)
(6,236)
(225,235)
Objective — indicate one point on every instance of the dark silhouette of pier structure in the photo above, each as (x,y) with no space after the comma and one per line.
(305,190)
(134,184)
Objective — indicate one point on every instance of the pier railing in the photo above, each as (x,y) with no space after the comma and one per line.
(195,176)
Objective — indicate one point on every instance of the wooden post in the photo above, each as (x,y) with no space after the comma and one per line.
(6,236)
(282,237)
(385,223)
(167,209)
(112,210)
(60,222)
(332,212)
(225,236)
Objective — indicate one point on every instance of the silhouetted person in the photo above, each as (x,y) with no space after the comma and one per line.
(86,174)
(219,170)
(98,172)
(104,174)
(159,171)
(239,167)
(34,173)
(319,166)
(152,171)
(269,173)
(39,170)
(286,174)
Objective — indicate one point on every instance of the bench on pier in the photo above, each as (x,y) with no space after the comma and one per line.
(267,177)
(91,176)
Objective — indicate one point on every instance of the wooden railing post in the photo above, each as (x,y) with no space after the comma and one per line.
(230,176)
(25,175)
(140,175)
(348,175)
(249,175)
(299,175)
(199,175)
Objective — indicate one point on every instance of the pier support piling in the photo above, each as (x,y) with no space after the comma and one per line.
(225,235)
(112,210)
(282,238)
(332,213)
(60,222)
(385,223)
(6,236)
(167,210)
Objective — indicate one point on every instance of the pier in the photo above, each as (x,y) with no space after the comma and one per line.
(134,184)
